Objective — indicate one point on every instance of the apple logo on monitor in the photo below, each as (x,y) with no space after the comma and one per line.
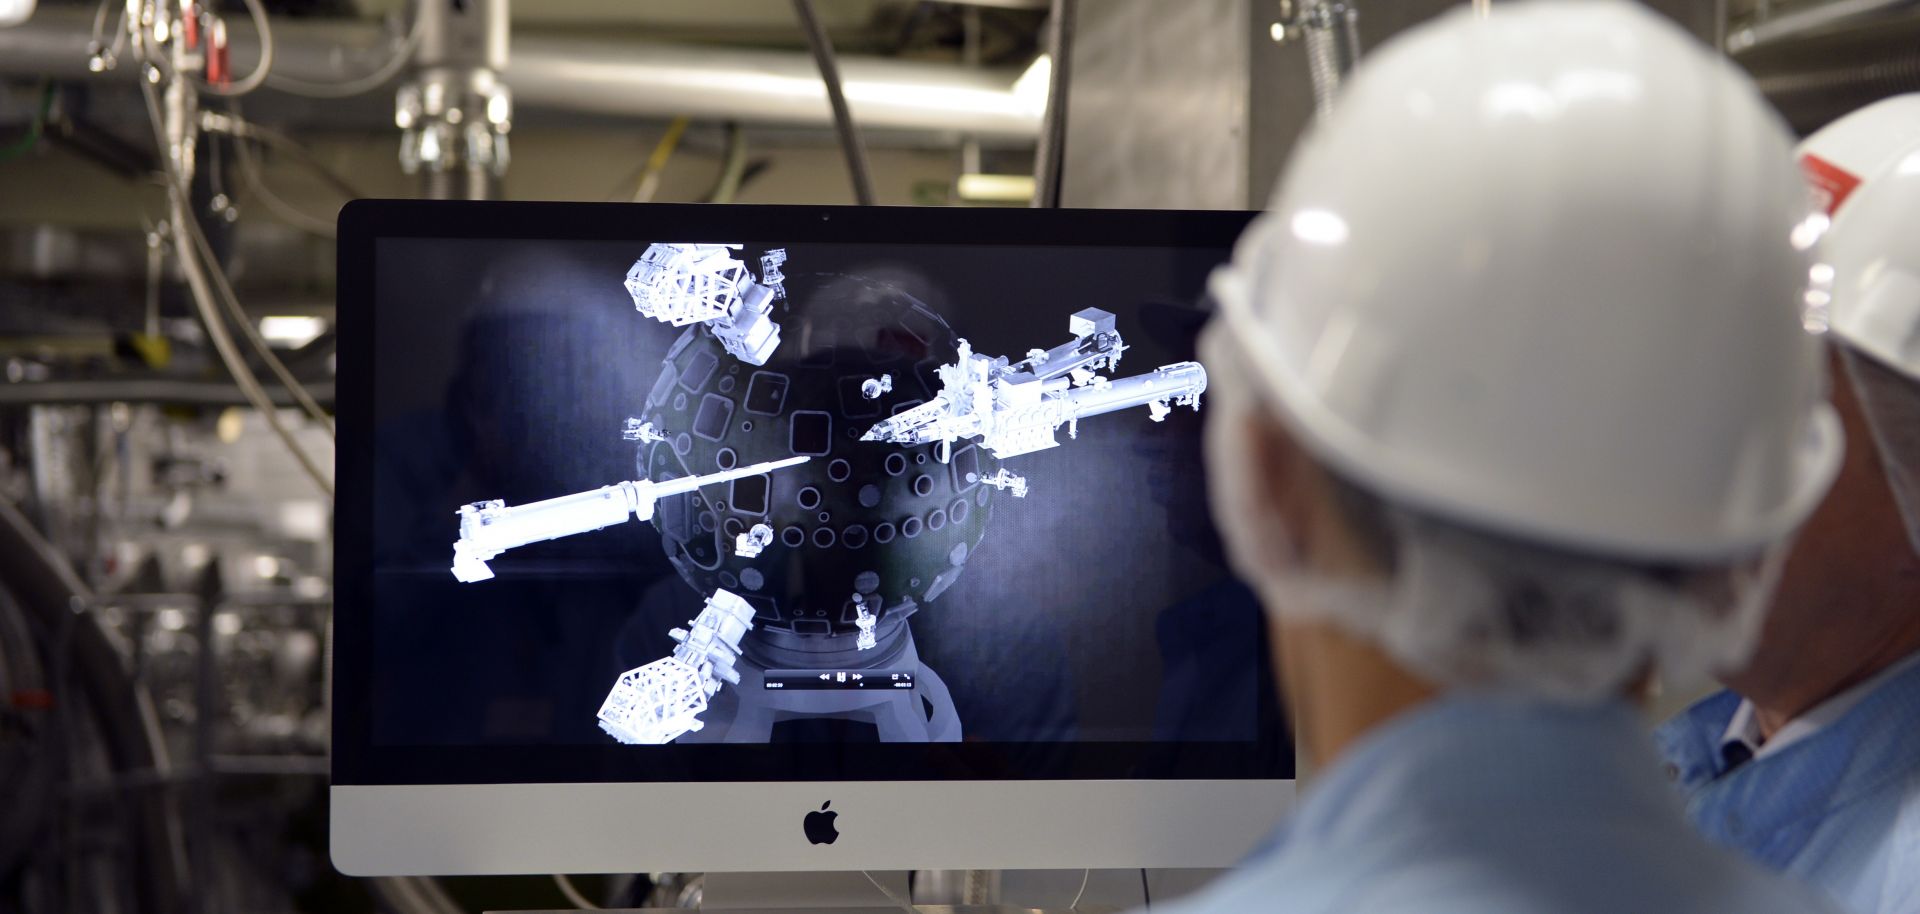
(819,825)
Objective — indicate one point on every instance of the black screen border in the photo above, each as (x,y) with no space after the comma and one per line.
(356,760)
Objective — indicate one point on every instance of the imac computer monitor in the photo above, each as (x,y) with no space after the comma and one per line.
(719,538)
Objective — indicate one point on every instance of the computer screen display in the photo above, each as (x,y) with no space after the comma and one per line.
(710,494)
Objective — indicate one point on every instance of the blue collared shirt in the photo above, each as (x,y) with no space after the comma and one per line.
(1839,808)
(1479,805)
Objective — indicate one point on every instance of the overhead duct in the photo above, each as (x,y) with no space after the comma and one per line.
(764,87)
(634,79)
(1814,79)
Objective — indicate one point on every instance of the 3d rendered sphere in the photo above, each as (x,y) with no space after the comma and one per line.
(890,523)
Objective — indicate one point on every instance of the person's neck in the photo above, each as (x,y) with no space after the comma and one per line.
(1339,686)
(1774,710)
(1342,688)
(1862,630)
(1844,609)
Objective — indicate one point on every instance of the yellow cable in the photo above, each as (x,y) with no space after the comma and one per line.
(657,161)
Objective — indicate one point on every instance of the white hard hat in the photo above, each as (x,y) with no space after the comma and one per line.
(1543,273)
(1867,168)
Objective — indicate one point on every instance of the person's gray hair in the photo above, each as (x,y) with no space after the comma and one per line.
(1470,608)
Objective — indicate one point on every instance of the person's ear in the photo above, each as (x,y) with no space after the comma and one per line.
(1278,475)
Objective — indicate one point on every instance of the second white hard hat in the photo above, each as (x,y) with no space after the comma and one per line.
(1867,169)
(1543,273)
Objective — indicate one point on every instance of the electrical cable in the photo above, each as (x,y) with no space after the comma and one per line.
(1146,897)
(916,20)
(850,143)
(250,172)
(146,49)
(97,44)
(657,161)
(100,20)
(903,903)
(358,85)
(412,895)
(1050,155)
(292,215)
(46,586)
(35,127)
(216,166)
(1085,876)
(279,141)
(239,315)
(197,284)
(733,169)
(261,68)
(574,897)
(229,353)
(237,126)
(35,782)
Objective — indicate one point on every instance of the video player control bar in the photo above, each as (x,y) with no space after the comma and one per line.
(795,680)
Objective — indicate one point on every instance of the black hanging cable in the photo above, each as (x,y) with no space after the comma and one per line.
(53,596)
(850,145)
(1049,155)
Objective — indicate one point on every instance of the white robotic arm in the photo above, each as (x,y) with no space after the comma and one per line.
(488,528)
(1015,408)
(681,284)
(662,701)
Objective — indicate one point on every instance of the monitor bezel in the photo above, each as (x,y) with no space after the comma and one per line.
(968,775)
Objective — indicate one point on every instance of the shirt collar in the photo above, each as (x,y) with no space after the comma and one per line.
(1690,741)
(1770,807)
(1744,728)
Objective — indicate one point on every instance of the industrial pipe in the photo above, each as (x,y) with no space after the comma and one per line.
(1815,79)
(628,79)
(148,389)
(1811,20)
(659,80)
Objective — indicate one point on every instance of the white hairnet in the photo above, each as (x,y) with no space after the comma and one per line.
(1475,610)
(1892,404)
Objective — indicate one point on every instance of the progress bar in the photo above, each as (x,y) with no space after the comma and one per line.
(836,680)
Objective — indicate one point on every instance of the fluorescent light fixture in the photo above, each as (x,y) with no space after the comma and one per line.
(1030,90)
(292,331)
(14,12)
(996,188)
